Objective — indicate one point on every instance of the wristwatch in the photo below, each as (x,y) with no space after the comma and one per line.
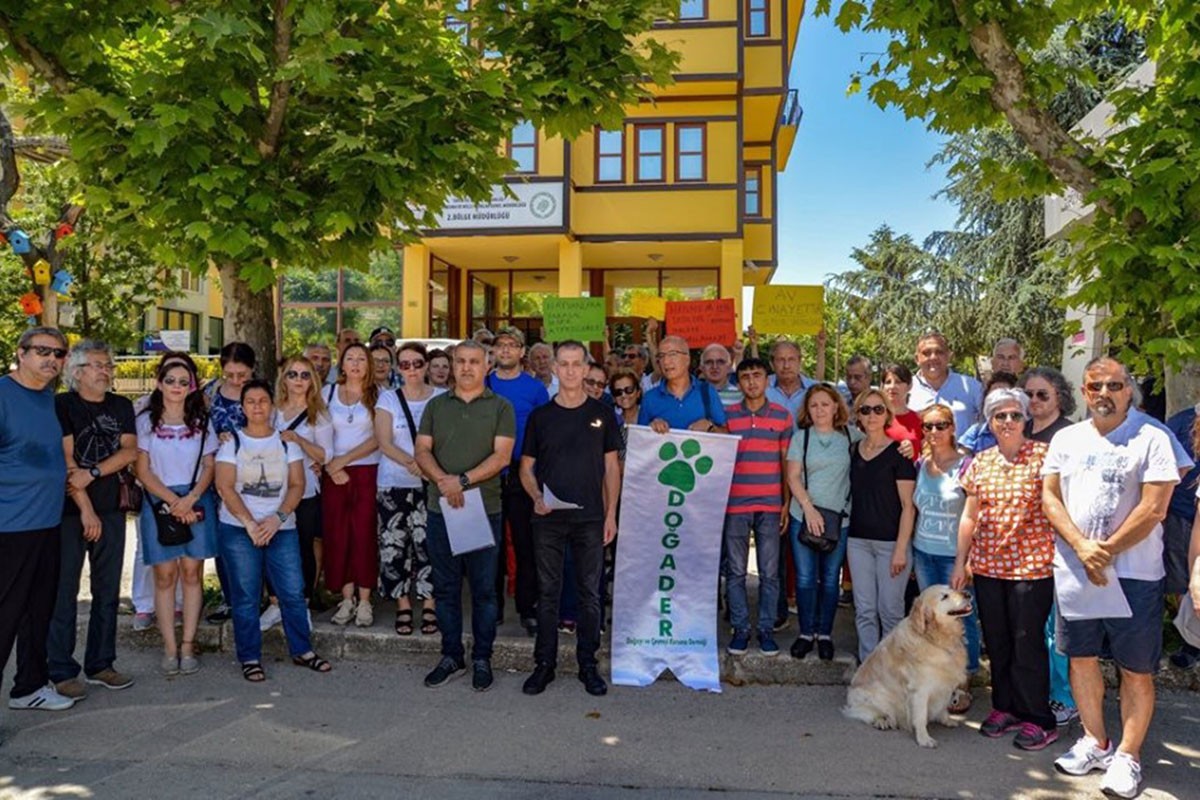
(282,517)
(464,481)
(94,472)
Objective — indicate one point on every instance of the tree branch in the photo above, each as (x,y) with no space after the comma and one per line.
(10,177)
(42,149)
(268,145)
(45,65)
(1036,126)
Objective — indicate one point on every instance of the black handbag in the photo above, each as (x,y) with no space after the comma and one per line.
(828,540)
(172,532)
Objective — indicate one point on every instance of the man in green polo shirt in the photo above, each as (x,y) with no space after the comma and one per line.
(465,439)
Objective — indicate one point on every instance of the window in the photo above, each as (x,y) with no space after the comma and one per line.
(651,153)
(610,156)
(522,147)
(758,17)
(753,180)
(689,152)
(693,9)
(216,335)
(190,281)
(170,319)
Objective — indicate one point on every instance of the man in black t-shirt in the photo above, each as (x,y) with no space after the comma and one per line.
(100,441)
(569,467)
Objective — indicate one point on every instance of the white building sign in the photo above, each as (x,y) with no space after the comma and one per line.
(534,205)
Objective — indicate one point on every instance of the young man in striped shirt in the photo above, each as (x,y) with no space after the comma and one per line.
(757,501)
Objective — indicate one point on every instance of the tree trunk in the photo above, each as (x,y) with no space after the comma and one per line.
(249,317)
(1183,387)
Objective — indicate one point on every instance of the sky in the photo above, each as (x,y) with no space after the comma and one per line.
(853,167)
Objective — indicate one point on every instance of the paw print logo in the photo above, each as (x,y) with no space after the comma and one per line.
(680,472)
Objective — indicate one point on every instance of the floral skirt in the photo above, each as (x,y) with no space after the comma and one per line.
(404,566)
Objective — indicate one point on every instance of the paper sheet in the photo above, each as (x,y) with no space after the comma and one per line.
(1079,598)
(554,503)
(467,528)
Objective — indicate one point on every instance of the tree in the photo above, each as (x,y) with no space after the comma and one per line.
(263,137)
(966,67)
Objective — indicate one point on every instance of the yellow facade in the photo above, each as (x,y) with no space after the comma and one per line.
(680,201)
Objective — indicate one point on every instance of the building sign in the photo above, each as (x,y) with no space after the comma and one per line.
(533,205)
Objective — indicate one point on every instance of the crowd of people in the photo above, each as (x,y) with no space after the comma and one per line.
(353,470)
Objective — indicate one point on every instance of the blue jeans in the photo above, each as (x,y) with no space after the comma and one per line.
(817,582)
(737,553)
(480,568)
(932,570)
(244,565)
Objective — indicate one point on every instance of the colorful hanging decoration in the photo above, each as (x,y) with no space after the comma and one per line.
(63,230)
(62,282)
(31,304)
(19,241)
(41,272)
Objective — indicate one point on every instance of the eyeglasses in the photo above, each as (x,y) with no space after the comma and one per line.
(102,367)
(43,351)
(622,392)
(595,384)
(714,362)
(416,363)
(1008,416)
(506,344)
(878,410)
(169,381)
(385,342)
(671,354)
(1094,386)
(936,426)
(293,374)
(1040,394)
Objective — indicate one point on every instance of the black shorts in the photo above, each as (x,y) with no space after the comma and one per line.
(1135,642)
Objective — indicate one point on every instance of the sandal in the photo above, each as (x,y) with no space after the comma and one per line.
(253,672)
(404,622)
(429,625)
(313,662)
(960,701)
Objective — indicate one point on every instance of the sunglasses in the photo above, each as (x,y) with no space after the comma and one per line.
(385,342)
(43,351)
(1094,387)
(866,411)
(629,356)
(1040,394)
(936,426)
(416,363)
(595,384)
(628,390)
(293,374)
(1008,416)
(169,381)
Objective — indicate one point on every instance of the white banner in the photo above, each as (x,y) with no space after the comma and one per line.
(535,205)
(665,596)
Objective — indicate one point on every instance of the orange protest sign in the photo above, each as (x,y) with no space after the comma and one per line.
(703,322)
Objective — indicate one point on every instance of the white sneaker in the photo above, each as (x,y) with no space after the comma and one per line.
(270,618)
(345,612)
(365,616)
(46,698)
(1063,714)
(1084,756)
(1123,776)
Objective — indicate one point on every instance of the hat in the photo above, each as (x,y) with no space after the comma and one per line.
(511,333)
(379,330)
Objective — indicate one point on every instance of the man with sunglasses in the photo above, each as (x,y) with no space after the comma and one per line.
(1108,482)
(33,485)
(937,382)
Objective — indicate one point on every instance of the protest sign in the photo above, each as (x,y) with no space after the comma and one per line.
(646,305)
(703,322)
(789,309)
(580,318)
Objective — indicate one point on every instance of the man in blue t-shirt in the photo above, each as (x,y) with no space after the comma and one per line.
(680,401)
(33,480)
(526,393)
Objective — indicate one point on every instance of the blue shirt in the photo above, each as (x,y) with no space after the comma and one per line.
(1183,499)
(658,403)
(963,394)
(526,393)
(979,437)
(33,469)
(791,402)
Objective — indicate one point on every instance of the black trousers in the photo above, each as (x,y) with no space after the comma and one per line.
(551,538)
(1013,616)
(516,513)
(28,587)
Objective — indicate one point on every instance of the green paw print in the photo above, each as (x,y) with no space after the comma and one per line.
(679,474)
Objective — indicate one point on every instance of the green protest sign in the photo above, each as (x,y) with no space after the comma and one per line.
(579,318)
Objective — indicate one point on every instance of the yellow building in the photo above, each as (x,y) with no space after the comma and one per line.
(681,197)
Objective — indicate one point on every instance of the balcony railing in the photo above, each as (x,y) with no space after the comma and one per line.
(792,110)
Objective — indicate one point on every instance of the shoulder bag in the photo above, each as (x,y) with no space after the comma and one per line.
(172,532)
(827,541)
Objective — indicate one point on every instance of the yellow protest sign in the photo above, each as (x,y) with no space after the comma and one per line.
(647,305)
(789,309)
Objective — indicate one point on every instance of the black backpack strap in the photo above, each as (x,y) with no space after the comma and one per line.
(408,416)
(804,459)
(237,441)
(298,421)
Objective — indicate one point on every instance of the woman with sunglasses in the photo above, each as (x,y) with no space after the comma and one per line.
(1006,546)
(303,421)
(881,523)
(1051,402)
(626,388)
(404,567)
(176,443)
(978,437)
(939,500)
(348,489)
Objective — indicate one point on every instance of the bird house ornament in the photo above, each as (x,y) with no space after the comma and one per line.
(31,304)
(41,272)
(62,282)
(19,241)
(63,230)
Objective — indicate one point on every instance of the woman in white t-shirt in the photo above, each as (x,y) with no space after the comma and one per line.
(404,566)
(348,489)
(175,464)
(261,479)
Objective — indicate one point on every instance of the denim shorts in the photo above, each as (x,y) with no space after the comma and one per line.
(1135,642)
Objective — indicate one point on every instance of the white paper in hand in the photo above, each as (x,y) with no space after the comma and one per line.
(554,503)
(467,528)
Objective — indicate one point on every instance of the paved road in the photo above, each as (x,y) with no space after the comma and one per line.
(371,730)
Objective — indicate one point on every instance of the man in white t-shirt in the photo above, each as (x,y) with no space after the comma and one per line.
(1108,481)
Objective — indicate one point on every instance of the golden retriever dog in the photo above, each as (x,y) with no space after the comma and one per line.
(908,679)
